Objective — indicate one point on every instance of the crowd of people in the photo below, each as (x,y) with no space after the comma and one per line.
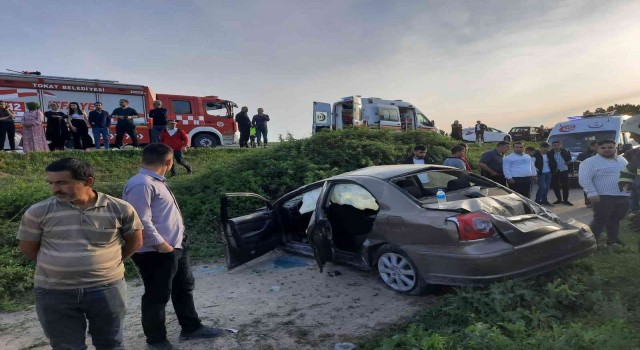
(74,125)
(252,130)
(611,182)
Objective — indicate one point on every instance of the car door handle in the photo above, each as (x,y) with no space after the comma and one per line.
(266,215)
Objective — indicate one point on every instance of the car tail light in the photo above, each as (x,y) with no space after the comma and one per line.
(474,226)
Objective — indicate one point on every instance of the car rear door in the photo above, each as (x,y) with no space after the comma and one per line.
(319,231)
(248,236)
(321,116)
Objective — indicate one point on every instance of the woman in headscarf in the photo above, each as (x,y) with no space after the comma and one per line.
(33,138)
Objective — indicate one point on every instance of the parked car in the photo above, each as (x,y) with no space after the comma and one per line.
(490,135)
(526,133)
(387,219)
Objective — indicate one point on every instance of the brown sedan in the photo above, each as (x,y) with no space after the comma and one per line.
(388,219)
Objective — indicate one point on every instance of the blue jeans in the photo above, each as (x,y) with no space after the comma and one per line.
(97,132)
(155,132)
(544,183)
(261,131)
(63,314)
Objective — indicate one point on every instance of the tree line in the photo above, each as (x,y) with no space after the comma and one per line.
(626,108)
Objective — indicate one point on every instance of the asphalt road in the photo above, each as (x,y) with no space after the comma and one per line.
(578,211)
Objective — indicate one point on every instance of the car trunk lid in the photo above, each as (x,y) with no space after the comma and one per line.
(516,221)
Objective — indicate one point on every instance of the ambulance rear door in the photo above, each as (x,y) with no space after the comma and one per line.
(322,118)
(357,111)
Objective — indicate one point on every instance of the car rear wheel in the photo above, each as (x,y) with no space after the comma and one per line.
(398,272)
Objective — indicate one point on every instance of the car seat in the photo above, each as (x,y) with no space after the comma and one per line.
(458,184)
(410,186)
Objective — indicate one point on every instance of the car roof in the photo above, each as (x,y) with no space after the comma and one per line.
(386,172)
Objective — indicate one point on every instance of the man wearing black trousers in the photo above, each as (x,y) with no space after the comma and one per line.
(7,126)
(163,259)
(560,177)
(244,126)
(125,115)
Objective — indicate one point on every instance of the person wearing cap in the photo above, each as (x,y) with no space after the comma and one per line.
(178,140)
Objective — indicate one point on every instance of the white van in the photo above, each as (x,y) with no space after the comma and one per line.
(371,112)
(578,132)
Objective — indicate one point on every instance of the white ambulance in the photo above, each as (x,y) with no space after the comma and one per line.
(578,132)
(370,112)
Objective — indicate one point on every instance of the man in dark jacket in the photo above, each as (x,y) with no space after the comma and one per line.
(419,156)
(260,122)
(159,115)
(592,151)
(545,166)
(491,163)
(244,125)
(125,115)
(560,177)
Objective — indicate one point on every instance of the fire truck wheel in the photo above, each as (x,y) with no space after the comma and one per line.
(205,140)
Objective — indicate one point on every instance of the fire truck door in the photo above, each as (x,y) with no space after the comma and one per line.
(184,110)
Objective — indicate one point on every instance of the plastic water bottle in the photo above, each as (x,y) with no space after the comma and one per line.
(442,199)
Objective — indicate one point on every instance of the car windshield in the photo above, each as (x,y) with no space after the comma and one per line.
(456,183)
(579,141)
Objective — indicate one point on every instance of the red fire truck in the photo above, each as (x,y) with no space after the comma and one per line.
(208,120)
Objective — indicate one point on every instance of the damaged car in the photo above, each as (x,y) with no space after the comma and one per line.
(387,219)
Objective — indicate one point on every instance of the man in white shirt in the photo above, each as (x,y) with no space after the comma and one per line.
(519,170)
(599,177)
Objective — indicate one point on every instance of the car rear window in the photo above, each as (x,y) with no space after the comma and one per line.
(426,184)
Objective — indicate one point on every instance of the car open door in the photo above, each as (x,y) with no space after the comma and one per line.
(249,236)
(321,116)
(319,231)
(357,111)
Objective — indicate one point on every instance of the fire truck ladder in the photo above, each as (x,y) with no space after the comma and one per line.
(59,78)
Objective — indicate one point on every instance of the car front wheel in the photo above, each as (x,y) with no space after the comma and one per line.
(507,138)
(398,272)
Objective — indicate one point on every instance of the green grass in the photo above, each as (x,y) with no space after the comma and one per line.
(592,304)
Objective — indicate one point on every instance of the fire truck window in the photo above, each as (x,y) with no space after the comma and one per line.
(215,108)
(181,107)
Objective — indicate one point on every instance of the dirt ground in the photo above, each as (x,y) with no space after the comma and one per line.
(279,301)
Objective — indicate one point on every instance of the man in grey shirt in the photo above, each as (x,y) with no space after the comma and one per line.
(79,239)
(163,259)
(599,176)
(455,159)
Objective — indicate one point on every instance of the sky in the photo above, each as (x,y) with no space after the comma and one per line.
(507,63)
